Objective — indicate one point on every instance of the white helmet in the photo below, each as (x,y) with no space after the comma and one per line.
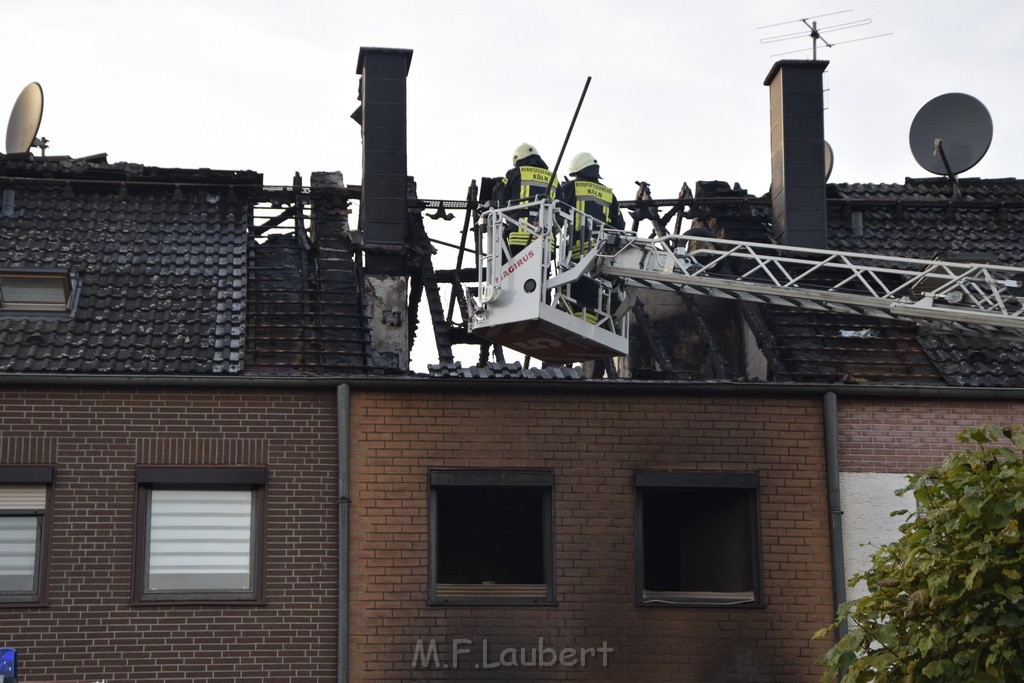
(581,161)
(522,151)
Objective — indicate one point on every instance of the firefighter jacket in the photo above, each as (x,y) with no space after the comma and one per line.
(589,197)
(527,181)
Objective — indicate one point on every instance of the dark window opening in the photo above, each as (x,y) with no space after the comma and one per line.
(491,543)
(490,535)
(697,544)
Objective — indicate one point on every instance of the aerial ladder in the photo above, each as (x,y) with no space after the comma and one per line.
(562,305)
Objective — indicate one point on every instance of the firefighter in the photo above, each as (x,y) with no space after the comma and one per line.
(590,198)
(528,179)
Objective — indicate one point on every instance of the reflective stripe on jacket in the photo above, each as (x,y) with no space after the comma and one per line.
(592,199)
(533,181)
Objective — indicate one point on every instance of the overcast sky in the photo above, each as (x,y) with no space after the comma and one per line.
(677,93)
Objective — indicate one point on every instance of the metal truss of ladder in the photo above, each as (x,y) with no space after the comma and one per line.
(950,295)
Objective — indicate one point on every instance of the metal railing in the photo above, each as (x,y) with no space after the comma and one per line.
(958,296)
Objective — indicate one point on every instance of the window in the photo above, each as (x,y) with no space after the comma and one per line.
(199,534)
(698,539)
(38,292)
(23,502)
(490,537)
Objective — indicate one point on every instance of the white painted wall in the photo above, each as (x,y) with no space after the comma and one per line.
(867,500)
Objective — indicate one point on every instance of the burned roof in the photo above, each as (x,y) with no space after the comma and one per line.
(175,275)
(975,220)
(504,370)
(305,312)
(158,257)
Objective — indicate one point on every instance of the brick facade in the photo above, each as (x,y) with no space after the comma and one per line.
(593,443)
(908,435)
(95,438)
(881,441)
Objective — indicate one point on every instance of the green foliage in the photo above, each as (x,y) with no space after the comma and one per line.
(945,601)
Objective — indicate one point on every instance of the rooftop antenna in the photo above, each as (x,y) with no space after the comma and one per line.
(950,134)
(24,122)
(816,33)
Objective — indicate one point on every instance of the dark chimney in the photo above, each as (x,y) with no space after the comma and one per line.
(798,152)
(383,213)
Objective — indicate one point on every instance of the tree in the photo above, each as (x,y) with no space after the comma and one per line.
(945,601)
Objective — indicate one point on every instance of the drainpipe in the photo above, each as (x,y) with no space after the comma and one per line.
(835,506)
(343,531)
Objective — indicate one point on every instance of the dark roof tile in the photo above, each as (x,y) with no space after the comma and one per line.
(920,218)
(136,258)
(505,371)
(924,218)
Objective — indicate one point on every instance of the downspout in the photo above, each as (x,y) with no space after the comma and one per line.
(835,505)
(343,531)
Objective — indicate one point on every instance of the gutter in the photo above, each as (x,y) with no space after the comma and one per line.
(508,385)
(344,504)
(830,419)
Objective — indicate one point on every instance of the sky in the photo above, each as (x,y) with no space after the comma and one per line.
(677,88)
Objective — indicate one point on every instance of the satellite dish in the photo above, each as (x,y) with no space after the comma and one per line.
(25,118)
(829,160)
(950,134)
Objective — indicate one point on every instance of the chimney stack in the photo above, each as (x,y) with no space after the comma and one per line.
(383,209)
(798,152)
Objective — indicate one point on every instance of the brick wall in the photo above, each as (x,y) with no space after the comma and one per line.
(903,435)
(593,444)
(90,630)
(883,440)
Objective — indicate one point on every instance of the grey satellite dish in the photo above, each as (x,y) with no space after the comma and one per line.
(829,160)
(950,134)
(25,118)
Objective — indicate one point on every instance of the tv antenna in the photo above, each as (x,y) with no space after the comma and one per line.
(815,34)
(950,134)
(24,122)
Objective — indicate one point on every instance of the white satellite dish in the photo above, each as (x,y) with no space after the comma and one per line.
(25,118)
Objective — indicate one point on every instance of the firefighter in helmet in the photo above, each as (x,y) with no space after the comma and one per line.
(528,179)
(590,198)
